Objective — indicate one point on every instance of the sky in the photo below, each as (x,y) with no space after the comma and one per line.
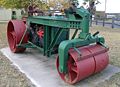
(113,6)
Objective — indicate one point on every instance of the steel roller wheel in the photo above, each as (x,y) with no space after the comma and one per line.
(76,70)
(94,59)
(15,31)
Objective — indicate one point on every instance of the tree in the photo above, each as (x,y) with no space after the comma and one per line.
(64,3)
(18,4)
(92,8)
(13,3)
(58,4)
(92,5)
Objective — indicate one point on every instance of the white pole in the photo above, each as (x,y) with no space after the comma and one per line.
(105,5)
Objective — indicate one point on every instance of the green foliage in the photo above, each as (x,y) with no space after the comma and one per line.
(92,9)
(21,3)
(11,3)
(18,4)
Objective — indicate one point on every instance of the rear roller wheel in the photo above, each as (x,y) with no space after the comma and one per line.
(15,31)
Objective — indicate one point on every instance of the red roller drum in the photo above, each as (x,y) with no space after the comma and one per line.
(101,57)
(93,59)
(15,31)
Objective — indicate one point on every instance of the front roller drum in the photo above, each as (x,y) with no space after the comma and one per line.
(93,59)
(15,31)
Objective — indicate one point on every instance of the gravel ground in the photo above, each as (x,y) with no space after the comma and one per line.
(11,77)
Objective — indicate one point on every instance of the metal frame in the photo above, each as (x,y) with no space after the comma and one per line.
(78,21)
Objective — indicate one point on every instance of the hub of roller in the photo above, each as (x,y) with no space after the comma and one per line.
(93,59)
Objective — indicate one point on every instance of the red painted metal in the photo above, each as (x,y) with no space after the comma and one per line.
(93,59)
(101,57)
(15,31)
(41,32)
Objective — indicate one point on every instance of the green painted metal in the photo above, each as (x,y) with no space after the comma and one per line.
(55,22)
(66,45)
(74,34)
(46,39)
(35,46)
(54,41)
(30,45)
(84,39)
(23,36)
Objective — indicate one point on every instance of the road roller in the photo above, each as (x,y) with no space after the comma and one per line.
(79,57)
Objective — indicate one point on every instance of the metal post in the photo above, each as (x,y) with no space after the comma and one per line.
(103,22)
(113,20)
(96,21)
(46,39)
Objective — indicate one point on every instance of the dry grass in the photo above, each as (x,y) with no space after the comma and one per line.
(112,37)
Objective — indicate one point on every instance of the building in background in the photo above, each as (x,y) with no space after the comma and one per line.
(6,14)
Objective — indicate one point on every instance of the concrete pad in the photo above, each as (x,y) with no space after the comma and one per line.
(42,71)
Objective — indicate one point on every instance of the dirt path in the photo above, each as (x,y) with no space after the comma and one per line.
(11,77)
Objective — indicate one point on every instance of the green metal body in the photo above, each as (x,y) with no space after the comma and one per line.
(79,20)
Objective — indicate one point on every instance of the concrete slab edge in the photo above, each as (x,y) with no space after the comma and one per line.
(16,65)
